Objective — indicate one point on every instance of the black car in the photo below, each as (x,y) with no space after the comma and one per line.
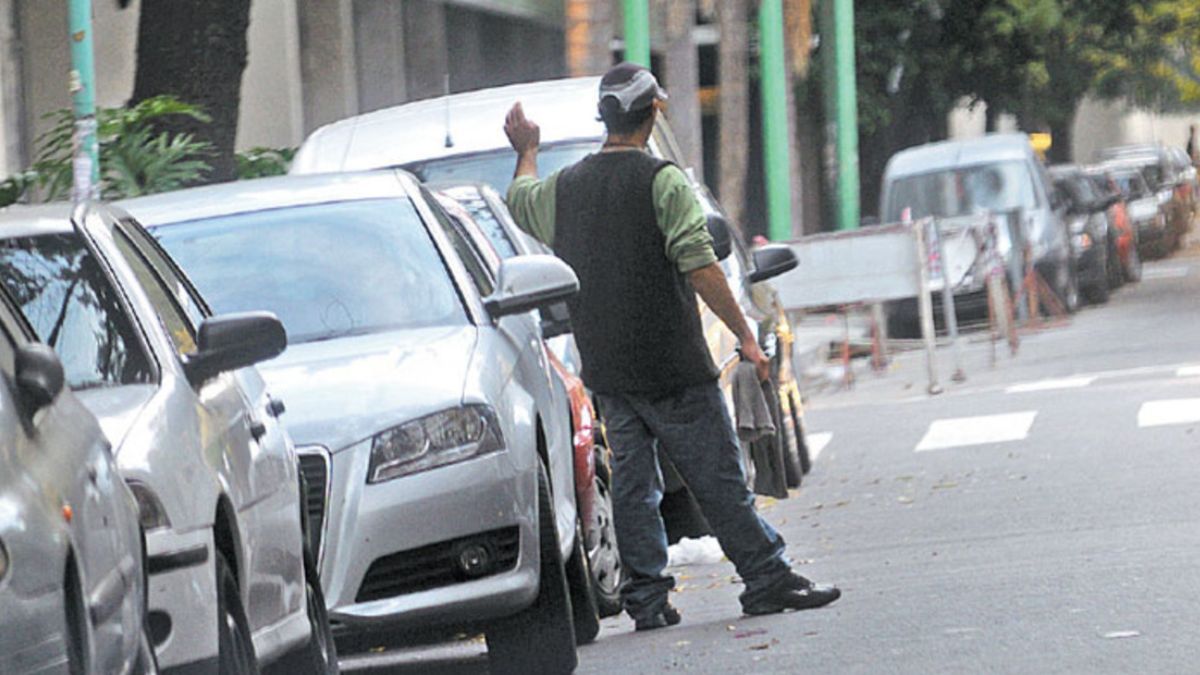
(1084,213)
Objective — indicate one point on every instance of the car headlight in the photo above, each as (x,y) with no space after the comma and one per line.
(443,438)
(150,509)
(3,561)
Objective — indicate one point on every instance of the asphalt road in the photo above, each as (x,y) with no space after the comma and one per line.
(1039,517)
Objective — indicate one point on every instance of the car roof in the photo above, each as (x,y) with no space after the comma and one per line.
(452,125)
(958,153)
(21,220)
(262,194)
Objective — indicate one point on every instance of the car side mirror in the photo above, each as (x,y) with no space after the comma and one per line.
(718,228)
(530,282)
(772,260)
(39,375)
(233,341)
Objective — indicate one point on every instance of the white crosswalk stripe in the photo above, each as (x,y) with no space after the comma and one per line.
(1169,412)
(1188,371)
(981,430)
(1051,385)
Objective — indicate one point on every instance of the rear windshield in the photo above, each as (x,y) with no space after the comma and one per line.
(972,190)
(496,167)
(326,270)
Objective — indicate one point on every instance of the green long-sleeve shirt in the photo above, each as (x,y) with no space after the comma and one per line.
(679,215)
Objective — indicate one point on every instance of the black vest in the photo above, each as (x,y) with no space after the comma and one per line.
(636,319)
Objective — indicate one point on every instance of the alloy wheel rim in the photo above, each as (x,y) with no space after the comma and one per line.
(602,549)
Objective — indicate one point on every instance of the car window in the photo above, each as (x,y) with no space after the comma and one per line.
(180,289)
(487,221)
(973,190)
(71,305)
(174,322)
(496,167)
(326,270)
(480,275)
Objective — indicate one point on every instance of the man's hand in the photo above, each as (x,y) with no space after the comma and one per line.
(524,135)
(751,352)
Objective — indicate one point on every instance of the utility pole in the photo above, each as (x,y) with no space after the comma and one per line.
(776,137)
(841,99)
(86,152)
(637,31)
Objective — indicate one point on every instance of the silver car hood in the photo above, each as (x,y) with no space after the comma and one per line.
(339,392)
(116,407)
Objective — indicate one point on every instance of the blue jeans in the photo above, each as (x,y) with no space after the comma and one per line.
(693,428)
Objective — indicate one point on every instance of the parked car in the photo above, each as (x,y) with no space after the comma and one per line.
(72,563)
(1123,238)
(1189,187)
(459,139)
(995,174)
(476,211)
(1149,218)
(420,388)
(1093,247)
(195,436)
(1164,177)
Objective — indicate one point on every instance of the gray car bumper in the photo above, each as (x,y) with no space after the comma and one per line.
(396,536)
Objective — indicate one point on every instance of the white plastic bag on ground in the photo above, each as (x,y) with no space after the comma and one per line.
(702,551)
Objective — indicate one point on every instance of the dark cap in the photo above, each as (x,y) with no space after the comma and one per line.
(634,87)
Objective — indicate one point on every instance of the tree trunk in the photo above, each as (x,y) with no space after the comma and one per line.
(1061,137)
(682,70)
(734,125)
(589,29)
(195,50)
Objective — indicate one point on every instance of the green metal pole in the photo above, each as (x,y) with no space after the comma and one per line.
(847,115)
(637,31)
(86,161)
(776,145)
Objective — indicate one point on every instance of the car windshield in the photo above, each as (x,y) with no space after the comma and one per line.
(1078,190)
(1131,184)
(994,188)
(496,167)
(326,270)
(73,308)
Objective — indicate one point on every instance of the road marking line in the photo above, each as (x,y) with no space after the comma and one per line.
(1166,273)
(1188,371)
(1050,385)
(1167,412)
(816,443)
(964,431)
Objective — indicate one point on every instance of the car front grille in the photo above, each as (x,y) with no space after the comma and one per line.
(437,565)
(314,466)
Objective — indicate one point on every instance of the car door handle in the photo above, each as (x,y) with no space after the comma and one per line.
(92,473)
(275,407)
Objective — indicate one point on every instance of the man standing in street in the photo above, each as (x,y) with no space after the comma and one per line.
(631,227)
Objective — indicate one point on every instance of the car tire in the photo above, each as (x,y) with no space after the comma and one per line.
(235,652)
(1116,271)
(604,557)
(584,613)
(75,622)
(318,655)
(1133,271)
(540,638)
(801,440)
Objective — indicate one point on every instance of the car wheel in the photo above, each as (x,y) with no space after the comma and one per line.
(1133,271)
(540,638)
(604,558)
(235,648)
(801,441)
(1116,273)
(319,654)
(76,627)
(584,613)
